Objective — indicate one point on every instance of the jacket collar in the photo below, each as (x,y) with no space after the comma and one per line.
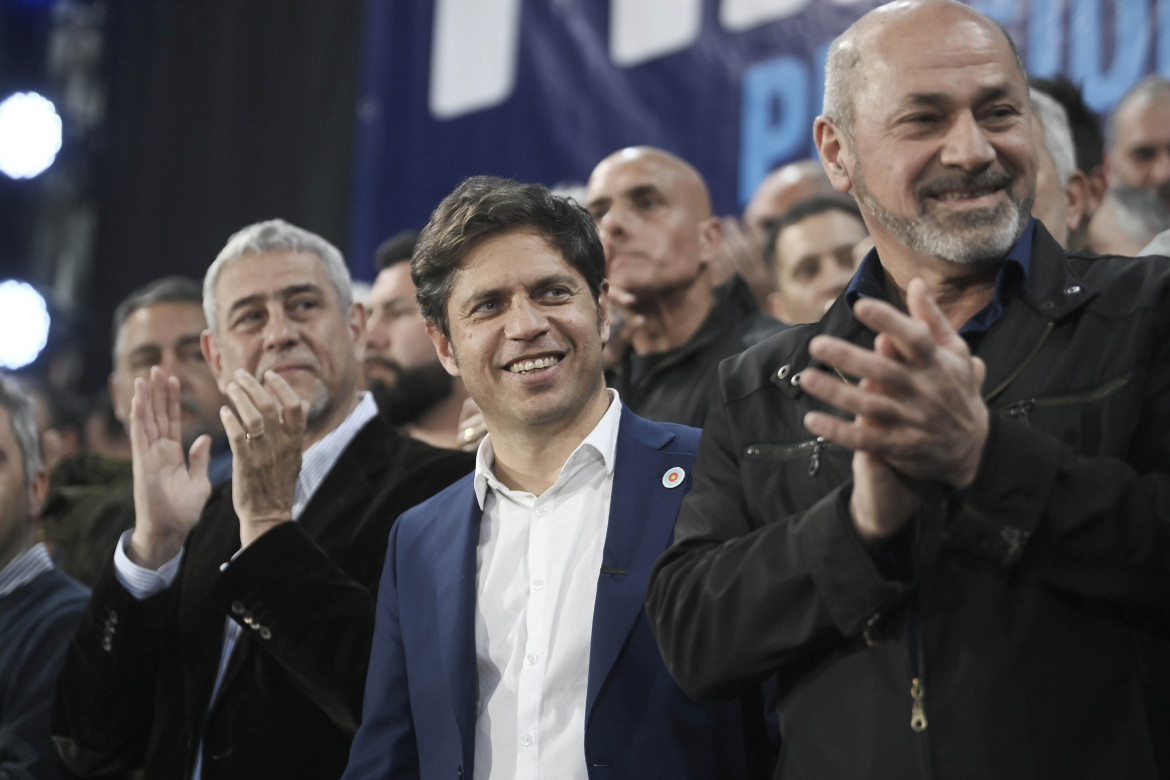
(641,525)
(1052,291)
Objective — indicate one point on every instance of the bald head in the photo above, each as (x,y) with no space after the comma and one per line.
(671,170)
(939,152)
(782,189)
(893,24)
(654,215)
(1139,139)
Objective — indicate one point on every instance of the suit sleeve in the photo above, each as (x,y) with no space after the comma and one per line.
(105,696)
(313,609)
(306,611)
(385,745)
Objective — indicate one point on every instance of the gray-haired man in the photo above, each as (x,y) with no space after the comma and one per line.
(230,637)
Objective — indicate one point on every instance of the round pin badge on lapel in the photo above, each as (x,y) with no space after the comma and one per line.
(673,478)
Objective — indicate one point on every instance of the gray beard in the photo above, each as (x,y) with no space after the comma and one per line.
(963,238)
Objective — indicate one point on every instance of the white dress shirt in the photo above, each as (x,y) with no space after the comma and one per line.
(316,462)
(537,566)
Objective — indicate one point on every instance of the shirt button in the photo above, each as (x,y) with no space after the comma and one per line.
(526,740)
(530,659)
(538,584)
(542,510)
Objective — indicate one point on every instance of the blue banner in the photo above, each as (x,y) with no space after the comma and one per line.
(541,90)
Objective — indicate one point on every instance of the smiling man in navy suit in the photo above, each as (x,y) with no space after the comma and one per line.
(510,638)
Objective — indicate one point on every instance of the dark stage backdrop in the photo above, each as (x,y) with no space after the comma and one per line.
(221,113)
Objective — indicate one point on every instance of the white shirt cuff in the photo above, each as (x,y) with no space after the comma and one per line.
(140,581)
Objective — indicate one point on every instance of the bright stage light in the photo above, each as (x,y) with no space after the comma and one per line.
(30,135)
(24,324)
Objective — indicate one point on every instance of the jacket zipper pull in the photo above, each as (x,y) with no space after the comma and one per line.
(917,710)
(814,463)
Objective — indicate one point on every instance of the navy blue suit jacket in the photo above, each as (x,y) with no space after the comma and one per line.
(420,705)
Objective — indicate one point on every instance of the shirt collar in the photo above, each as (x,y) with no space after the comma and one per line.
(601,440)
(318,460)
(870,280)
(25,567)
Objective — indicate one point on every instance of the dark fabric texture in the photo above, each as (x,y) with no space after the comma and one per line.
(1028,605)
(681,384)
(36,621)
(137,695)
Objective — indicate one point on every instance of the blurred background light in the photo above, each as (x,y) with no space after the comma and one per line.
(24,324)
(30,135)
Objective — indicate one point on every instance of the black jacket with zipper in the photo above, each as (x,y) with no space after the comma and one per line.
(1032,608)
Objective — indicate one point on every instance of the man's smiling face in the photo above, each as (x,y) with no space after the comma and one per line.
(525,334)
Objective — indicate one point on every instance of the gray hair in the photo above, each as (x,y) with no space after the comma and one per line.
(276,235)
(1140,213)
(1057,134)
(23,423)
(166,290)
(845,78)
(1150,87)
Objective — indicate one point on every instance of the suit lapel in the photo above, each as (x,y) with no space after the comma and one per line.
(641,523)
(454,607)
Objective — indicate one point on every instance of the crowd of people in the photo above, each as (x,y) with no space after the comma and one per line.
(872,481)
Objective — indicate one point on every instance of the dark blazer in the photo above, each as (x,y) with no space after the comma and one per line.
(136,687)
(421,691)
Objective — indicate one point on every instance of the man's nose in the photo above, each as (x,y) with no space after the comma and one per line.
(1160,170)
(613,223)
(966,146)
(279,330)
(377,332)
(525,320)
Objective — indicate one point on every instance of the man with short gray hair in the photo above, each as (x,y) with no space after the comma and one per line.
(229,638)
(1138,139)
(1062,190)
(39,604)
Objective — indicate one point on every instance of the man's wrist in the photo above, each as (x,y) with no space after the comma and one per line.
(253,527)
(152,550)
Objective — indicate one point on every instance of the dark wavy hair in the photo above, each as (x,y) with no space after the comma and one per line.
(485,206)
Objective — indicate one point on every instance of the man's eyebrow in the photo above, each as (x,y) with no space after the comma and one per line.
(246,301)
(143,349)
(642,190)
(564,279)
(940,99)
(284,294)
(188,339)
(297,289)
(597,202)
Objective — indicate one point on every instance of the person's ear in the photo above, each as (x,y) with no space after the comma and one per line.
(1077,197)
(444,348)
(835,153)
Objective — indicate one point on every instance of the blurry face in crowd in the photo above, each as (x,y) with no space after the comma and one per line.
(20,499)
(1140,156)
(402,368)
(167,335)
(814,262)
